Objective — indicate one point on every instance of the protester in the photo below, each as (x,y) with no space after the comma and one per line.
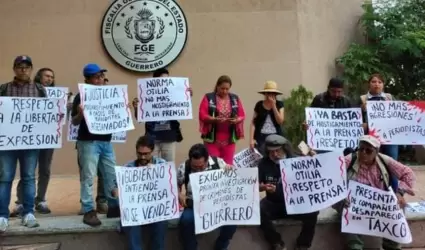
(93,149)
(268,116)
(273,207)
(166,133)
(144,151)
(46,77)
(333,98)
(376,93)
(21,86)
(199,160)
(221,117)
(369,167)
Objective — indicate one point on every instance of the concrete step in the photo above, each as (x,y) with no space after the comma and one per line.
(69,233)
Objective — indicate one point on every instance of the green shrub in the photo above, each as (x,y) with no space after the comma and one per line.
(295,105)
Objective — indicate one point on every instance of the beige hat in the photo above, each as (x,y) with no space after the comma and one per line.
(373,141)
(270,87)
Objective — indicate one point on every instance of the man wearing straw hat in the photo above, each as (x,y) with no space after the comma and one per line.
(268,116)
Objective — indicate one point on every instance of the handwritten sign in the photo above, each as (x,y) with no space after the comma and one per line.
(147,194)
(119,137)
(247,158)
(374,212)
(313,183)
(59,93)
(397,122)
(30,123)
(334,129)
(106,108)
(164,99)
(225,198)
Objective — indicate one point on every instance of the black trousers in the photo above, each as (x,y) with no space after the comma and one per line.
(273,211)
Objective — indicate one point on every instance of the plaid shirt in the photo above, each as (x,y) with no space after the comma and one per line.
(371,175)
(181,173)
(18,89)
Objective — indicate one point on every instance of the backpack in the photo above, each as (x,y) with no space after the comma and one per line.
(188,169)
(388,178)
(39,86)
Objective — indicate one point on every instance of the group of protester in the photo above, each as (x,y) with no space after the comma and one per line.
(221,118)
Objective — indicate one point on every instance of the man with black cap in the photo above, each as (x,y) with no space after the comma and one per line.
(333,98)
(273,207)
(92,150)
(21,86)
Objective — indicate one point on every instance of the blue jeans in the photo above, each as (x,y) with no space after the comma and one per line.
(188,237)
(90,154)
(391,151)
(157,230)
(27,163)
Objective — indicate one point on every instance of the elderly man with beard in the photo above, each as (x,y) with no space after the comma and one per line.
(273,207)
(369,167)
(144,151)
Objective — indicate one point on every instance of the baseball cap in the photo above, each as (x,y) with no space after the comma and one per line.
(92,69)
(22,59)
(274,142)
(373,141)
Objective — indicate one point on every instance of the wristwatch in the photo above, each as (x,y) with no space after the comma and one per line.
(401,192)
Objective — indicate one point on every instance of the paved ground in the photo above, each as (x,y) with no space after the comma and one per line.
(64,193)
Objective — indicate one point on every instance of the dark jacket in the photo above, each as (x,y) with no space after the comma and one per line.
(323,100)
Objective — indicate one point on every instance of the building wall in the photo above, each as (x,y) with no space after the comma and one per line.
(290,41)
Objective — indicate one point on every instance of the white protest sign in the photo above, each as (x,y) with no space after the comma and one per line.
(223,198)
(30,123)
(106,108)
(374,212)
(163,99)
(333,129)
(397,122)
(147,194)
(119,137)
(313,183)
(59,93)
(247,158)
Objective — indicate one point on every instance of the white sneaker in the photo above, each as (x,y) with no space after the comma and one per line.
(4,223)
(30,221)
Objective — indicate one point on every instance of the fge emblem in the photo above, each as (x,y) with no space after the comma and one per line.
(144,35)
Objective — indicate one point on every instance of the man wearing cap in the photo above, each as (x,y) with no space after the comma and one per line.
(273,207)
(92,150)
(369,167)
(21,86)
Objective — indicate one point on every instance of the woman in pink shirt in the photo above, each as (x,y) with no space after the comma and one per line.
(221,117)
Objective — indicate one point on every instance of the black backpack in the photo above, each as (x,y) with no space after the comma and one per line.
(188,169)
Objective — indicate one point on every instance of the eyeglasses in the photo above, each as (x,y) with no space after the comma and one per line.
(368,151)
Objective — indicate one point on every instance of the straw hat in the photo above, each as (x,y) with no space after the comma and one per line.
(270,87)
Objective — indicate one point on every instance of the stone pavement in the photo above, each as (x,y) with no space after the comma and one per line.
(64,193)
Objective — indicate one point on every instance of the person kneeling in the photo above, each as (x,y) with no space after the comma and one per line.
(273,206)
(144,149)
(199,160)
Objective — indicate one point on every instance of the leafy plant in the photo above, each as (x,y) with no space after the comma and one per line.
(295,105)
(394,46)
